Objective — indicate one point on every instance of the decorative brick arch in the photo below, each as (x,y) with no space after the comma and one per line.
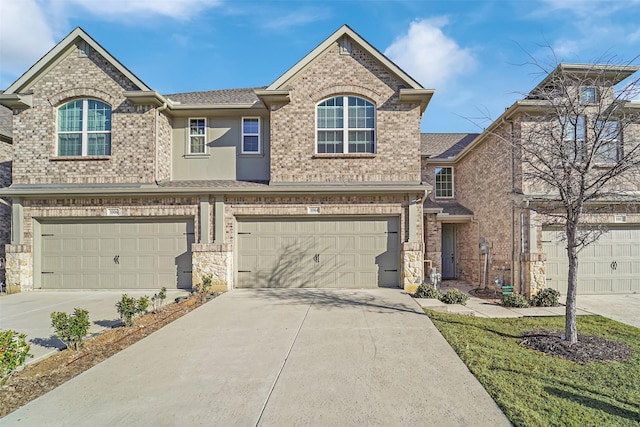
(329,91)
(82,92)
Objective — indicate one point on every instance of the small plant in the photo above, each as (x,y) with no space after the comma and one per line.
(514,300)
(545,298)
(72,328)
(454,296)
(425,290)
(14,351)
(204,287)
(129,308)
(157,300)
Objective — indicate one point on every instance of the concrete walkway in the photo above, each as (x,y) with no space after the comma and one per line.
(279,358)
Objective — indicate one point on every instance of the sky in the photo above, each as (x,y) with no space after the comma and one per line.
(478,55)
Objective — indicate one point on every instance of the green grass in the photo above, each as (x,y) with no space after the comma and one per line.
(534,389)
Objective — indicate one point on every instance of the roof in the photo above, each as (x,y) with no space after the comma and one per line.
(444,145)
(6,123)
(447,207)
(220,97)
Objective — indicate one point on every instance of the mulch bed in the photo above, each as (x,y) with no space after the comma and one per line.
(43,376)
(588,348)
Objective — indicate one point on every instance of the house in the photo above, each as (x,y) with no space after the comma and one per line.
(479,225)
(321,179)
(312,181)
(6,154)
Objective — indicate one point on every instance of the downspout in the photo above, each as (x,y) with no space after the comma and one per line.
(480,273)
(513,213)
(156,138)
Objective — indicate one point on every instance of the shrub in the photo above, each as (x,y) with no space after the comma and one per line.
(14,350)
(157,300)
(514,300)
(204,287)
(454,296)
(426,290)
(129,308)
(72,328)
(545,298)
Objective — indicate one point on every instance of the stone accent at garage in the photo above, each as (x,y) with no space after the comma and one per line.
(216,260)
(533,267)
(19,267)
(412,265)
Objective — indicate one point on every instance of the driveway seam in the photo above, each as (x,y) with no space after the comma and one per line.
(284,362)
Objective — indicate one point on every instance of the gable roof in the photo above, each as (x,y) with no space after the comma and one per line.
(55,55)
(444,145)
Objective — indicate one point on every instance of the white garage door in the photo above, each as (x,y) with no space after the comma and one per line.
(325,253)
(119,254)
(611,265)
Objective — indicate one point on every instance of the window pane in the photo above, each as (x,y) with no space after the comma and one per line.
(250,126)
(361,141)
(250,144)
(360,113)
(588,95)
(99,144)
(444,182)
(330,142)
(196,127)
(70,144)
(98,116)
(70,117)
(196,145)
(330,114)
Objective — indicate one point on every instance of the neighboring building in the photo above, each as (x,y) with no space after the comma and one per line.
(321,179)
(6,154)
(478,225)
(312,181)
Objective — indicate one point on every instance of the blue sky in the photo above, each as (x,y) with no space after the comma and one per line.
(474,53)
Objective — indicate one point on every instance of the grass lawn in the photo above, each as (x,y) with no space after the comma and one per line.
(534,389)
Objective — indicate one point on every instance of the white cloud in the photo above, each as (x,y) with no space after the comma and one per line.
(428,55)
(25,37)
(295,19)
(139,9)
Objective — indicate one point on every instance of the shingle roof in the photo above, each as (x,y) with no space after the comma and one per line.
(6,122)
(448,207)
(444,145)
(223,96)
(215,184)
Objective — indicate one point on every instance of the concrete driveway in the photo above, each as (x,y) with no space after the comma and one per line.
(29,313)
(623,308)
(279,358)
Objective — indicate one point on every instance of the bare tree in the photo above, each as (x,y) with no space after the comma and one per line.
(577,142)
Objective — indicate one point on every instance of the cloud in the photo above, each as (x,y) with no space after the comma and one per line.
(428,55)
(296,19)
(22,45)
(136,9)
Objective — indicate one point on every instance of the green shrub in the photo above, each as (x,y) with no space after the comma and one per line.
(425,290)
(14,350)
(545,298)
(514,300)
(72,328)
(204,287)
(454,296)
(157,300)
(129,308)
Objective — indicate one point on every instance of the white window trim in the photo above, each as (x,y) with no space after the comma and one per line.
(345,129)
(242,150)
(453,186)
(189,136)
(83,132)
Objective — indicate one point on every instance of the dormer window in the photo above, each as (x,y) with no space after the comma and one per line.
(84,128)
(347,119)
(588,95)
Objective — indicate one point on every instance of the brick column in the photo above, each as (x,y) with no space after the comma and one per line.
(215,259)
(19,267)
(412,259)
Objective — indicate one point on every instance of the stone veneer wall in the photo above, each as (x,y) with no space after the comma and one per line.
(34,129)
(293,135)
(534,272)
(412,264)
(19,272)
(215,260)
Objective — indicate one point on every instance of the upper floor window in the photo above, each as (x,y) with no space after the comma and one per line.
(345,124)
(588,95)
(197,133)
(250,135)
(609,147)
(444,182)
(84,128)
(573,132)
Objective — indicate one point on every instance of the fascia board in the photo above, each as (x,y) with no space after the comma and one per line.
(342,31)
(453,218)
(16,100)
(421,96)
(146,98)
(54,54)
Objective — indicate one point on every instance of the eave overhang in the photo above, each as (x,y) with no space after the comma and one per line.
(417,96)
(16,101)
(150,97)
(270,97)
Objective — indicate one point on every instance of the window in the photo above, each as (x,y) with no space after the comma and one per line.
(354,124)
(444,182)
(251,135)
(197,134)
(608,149)
(573,134)
(84,128)
(588,95)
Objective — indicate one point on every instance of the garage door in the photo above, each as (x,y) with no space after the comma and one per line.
(611,265)
(327,253)
(118,254)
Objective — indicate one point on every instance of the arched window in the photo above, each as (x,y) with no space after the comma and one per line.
(84,128)
(345,119)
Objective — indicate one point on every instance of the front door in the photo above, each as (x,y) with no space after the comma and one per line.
(448,251)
